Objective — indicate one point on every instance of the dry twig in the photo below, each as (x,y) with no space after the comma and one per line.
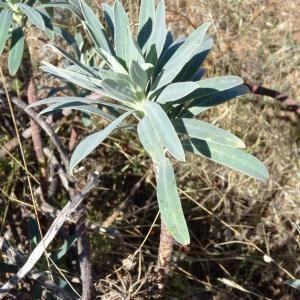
(49,236)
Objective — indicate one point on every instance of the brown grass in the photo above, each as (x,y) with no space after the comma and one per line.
(244,244)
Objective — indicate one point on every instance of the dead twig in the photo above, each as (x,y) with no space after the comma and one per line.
(19,259)
(36,138)
(50,235)
(46,127)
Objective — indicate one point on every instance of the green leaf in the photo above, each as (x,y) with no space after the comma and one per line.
(159,34)
(168,53)
(47,19)
(235,159)
(75,61)
(96,29)
(215,85)
(109,17)
(164,128)
(63,5)
(16,50)
(69,100)
(132,50)
(193,65)
(169,203)
(81,107)
(121,26)
(5,23)
(119,90)
(138,75)
(151,141)
(33,15)
(182,56)
(176,91)
(68,38)
(146,23)
(295,283)
(62,251)
(33,232)
(205,131)
(113,61)
(202,104)
(86,146)
(77,78)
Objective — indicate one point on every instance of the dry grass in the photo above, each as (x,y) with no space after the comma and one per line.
(244,245)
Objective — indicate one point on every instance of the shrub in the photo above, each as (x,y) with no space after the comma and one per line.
(155,86)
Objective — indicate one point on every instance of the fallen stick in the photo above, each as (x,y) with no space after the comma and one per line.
(49,236)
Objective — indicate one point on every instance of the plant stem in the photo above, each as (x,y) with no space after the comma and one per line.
(165,251)
(83,254)
(166,244)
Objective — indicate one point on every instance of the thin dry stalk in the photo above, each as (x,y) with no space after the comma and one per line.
(37,139)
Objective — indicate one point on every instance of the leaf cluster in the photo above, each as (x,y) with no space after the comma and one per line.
(158,81)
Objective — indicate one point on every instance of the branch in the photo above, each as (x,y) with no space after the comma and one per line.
(83,254)
(291,104)
(45,126)
(36,136)
(50,235)
(34,274)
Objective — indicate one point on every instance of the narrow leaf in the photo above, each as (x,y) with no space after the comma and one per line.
(151,141)
(75,61)
(202,104)
(295,283)
(63,5)
(121,26)
(16,50)
(86,146)
(159,34)
(109,17)
(169,203)
(64,100)
(81,107)
(119,90)
(165,129)
(182,56)
(205,131)
(96,28)
(33,15)
(235,159)
(113,62)
(138,75)
(5,23)
(146,23)
(176,91)
(132,50)
(193,65)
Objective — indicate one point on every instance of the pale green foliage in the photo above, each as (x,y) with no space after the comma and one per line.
(158,82)
(14,16)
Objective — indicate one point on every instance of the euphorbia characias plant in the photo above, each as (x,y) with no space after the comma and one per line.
(157,81)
